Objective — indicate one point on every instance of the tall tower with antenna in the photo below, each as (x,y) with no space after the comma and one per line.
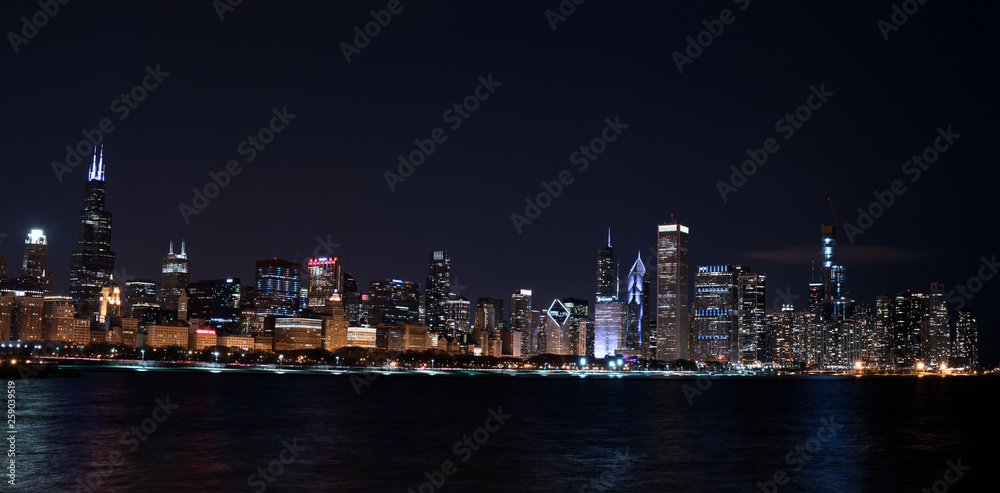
(93,262)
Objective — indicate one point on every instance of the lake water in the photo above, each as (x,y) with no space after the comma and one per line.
(222,432)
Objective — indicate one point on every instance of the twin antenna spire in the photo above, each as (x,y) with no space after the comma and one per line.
(97,167)
(172,247)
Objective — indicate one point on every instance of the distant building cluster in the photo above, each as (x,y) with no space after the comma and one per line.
(318,305)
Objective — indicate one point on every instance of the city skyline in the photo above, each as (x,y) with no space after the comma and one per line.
(689,129)
(727,321)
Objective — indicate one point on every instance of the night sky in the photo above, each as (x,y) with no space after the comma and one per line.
(323,175)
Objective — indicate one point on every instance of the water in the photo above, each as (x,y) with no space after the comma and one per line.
(565,434)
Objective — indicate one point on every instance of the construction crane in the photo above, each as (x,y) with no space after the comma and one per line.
(832,209)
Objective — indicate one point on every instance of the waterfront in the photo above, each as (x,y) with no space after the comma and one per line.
(214,432)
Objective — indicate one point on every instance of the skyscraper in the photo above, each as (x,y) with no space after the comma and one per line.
(326,276)
(92,263)
(607,284)
(937,337)
(489,312)
(581,331)
(636,308)
(393,302)
(966,339)
(716,314)
(609,324)
(832,277)
(438,290)
(276,287)
(140,296)
(672,277)
(34,275)
(752,336)
(174,278)
(556,330)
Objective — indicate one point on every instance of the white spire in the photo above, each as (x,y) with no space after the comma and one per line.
(100,165)
(609,236)
(182,248)
(171,247)
(93,167)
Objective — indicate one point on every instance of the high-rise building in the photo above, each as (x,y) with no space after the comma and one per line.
(581,334)
(276,287)
(57,318)
(438,290)
(175,277)
(607,282)
(140,296)
(335,323)
(6,314)
(34,275)
(556,330)
(393,302)
(937,334)
(907,314)
(966,339)
(227,296)
(752,334)
(637,309)
(609,327)
(28,315)
(457,313)
(832,277)
(520,318)
(672,277)
(489,312)
(199,300)
(3,268)
(716,314)
(326,276)
(92,263)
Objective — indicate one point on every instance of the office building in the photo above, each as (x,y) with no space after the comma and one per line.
(438,290)
(672,277)
(326,276)
(716,314)
(277,287)
(175,277)
(92,264)
(393,302)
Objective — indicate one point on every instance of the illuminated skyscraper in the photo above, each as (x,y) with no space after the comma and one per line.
(609,326)
(936,340)
(92,263)
(636,308)
(966,339)
(457,313)
(607,284)
(716,314)
(672,305)
(438,290)
(326,276)
(277,287)
(580,327)
(174,277)
(752,336)
(34,275)
(520,318)
(556,330)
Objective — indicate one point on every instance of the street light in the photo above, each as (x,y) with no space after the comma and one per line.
(216,356)
(432,363)
(280,358)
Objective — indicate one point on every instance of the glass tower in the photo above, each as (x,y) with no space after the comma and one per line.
(672,277)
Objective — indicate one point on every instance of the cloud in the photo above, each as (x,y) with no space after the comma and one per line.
(846,254)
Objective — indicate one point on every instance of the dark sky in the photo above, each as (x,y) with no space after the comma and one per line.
(323,175)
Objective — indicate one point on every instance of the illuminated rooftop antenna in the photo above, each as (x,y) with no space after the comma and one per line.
(609,236)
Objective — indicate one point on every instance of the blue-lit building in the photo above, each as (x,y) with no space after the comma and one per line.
(716,314)
(637,310)
(277,287)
